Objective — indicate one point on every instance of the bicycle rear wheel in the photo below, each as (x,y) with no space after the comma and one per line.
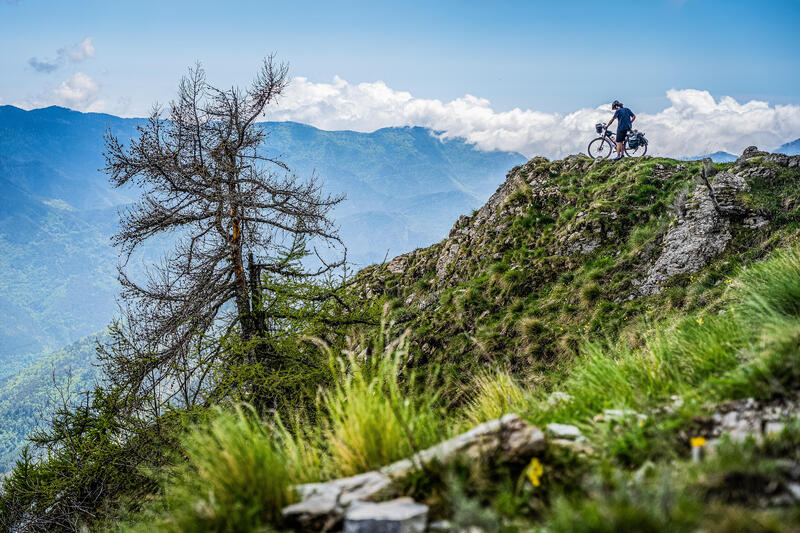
(600,148)
(639,151)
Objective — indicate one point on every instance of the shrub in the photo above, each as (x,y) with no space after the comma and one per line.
(235,478)
(376,413)
(496,393)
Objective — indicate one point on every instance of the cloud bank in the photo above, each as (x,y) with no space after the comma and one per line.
(79,91)
(694,122)
(74,54)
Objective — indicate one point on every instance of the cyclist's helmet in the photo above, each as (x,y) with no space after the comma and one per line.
(615,105)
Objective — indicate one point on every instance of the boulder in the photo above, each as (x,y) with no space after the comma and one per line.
(506,439)
(402,515)
(322,504)
(564,431)
(699,234)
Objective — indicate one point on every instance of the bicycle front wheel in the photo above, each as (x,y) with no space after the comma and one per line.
(639,151)
(600,148)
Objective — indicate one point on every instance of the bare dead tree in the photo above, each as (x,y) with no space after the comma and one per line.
(206,182)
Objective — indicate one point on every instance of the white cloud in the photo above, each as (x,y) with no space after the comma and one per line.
(79,52)
(75,54)
(79,92)
(693,123)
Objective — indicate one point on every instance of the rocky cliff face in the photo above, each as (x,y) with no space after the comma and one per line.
(595,241)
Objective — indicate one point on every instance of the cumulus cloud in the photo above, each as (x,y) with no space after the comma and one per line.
(80,91)
(73,54)
(79,52)
(693,123)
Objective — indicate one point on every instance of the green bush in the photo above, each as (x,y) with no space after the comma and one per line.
(375,414)
(235,478)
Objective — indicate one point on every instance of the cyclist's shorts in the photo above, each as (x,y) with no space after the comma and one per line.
(621,134)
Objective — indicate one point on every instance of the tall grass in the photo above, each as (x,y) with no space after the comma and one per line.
(495,394)
(239,469)
(235,478)
(377,412)
(749,347)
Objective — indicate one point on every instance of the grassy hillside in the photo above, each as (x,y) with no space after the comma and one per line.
(543,303)
(656,315)
(561,252)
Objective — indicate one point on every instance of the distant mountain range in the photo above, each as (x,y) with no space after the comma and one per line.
(717,157)
(790,148)
(404,188)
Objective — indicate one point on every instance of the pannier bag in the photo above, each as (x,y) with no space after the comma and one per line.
(635,139)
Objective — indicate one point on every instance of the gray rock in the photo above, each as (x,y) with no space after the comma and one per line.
(318,509)
(620,414)
(699,234)
(564,431)
(773,428)
(558,397)
(398,264)
(751,151)
(794,490)
(323,504)
(440,526)
(506,439)
(402,515)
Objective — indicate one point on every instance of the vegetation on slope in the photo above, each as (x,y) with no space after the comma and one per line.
(639,476)
(27,396)
(534,293)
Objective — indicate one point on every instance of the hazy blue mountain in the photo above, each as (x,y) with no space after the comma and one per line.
(404,188)
(790,148)
(717,157)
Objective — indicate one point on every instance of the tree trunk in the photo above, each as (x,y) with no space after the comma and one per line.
(240,280)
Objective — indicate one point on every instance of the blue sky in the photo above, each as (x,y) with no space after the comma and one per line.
(549,57)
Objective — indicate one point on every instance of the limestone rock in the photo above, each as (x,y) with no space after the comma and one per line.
(506,439)
(398,264)
(699,234)
(558,398)
(751,151)
(564,431)
(402,515)
(322,504)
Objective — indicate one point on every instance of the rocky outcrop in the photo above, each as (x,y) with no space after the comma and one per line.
(700,232)
(702,229)
(402,515)
(324,506)
(749,418)
(705,222)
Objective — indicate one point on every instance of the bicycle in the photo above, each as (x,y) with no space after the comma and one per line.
(602,147)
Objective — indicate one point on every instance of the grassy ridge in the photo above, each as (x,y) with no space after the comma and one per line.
(372,416)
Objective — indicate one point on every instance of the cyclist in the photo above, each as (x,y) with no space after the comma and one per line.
(625,118)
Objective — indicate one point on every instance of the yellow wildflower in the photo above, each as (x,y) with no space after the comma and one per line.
(534,472)
(697,442)
(728,281)
(699,320)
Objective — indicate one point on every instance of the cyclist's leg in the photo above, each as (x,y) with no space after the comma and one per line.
(621,134)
